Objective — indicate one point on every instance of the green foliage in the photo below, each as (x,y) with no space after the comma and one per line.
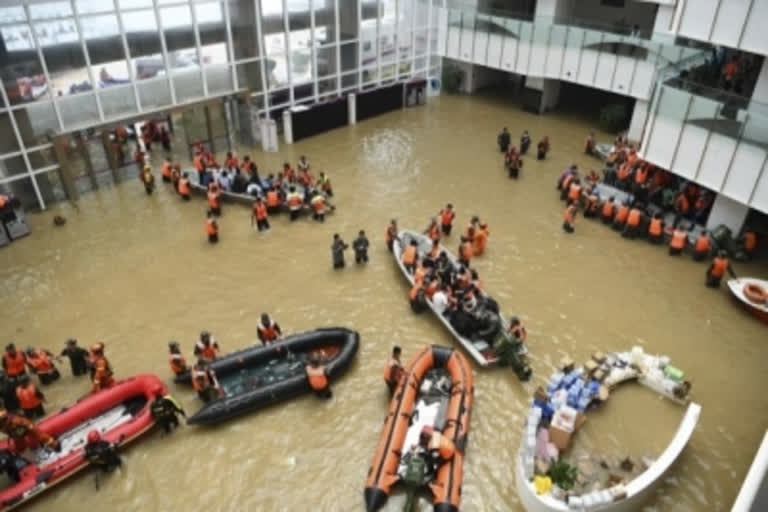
(563,474)
(453,77)
(614,118)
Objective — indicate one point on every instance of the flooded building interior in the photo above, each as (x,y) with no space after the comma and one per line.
(660,107)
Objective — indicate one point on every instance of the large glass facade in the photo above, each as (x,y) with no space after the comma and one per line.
(67,65)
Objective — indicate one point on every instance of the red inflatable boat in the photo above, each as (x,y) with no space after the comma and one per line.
(120,413)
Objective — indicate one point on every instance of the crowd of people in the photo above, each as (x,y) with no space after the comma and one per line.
(513,157)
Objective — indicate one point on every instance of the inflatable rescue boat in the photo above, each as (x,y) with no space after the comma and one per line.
(259,376)
(436,391)
(120,414)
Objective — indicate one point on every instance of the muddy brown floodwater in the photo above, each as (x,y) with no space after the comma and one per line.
(137,271)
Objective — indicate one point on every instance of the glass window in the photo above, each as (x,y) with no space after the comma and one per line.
(368,42)
(249,76)
(326,86)
(422,13)
(58,32)
(348,56)
(42,159)
(50,10)
(79,110)
(188,84)
(271,8)
(64,57)
(144,44)
(326,61)
(12,14)
(35,121)
(219,78)
(91,6)
(8,142)
(304,91)
(348,21)
(301,56)
(242,16)
(12,166)
(349,80)
(118,101)
(154,93)
(105,49)
(276,64)
(23,78)
(176,17)
(182,52)
(17,38)
(299,14)
(213,33)
(420,42)
(325,22)
(370,75)
(132,4)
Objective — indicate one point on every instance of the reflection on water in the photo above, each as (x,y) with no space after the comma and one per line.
(137,271)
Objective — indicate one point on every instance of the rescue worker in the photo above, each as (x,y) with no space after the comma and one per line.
(260,216)
(30,398)
(8,393)
(656,229)
(166,170)
(211,228)
(148,179)
(176,359)
(717,270)
(632,227)
(607,211)
(78,357)
(503,140)
(288,173)
(480,240)
(589,144)
(24,433)
(620,219)
(101,370)
(701,247)
(214,199)
(574,192)
(294,202)
(337,251)
(749,241)
(439,448)
(433,230)
(318,206)
(678,241)
(542,148)
(303,164)
(568,217)
(410,256)
(231,162)
(184,186)
(273,200)
(39,362)
(164,409)
(324,183)
(204,382)
(268,330)
(525,142)
(390,235)
(592,205)
(360,246)
(317,378)
(417,296)
(517,329)
(472,227)
(446,219)
(101,453)
(465,250)
(176,177)
(394,371)
(14,363)
(206,348)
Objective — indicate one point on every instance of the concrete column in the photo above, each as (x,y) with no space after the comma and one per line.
(352,108)
(550,91)
(82,148)
(288,126)
(637,124)
(110,149)
(729,212)
(67,176)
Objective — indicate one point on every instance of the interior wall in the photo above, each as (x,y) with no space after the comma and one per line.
(640,13)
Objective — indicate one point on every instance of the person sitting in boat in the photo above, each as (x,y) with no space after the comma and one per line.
(207,347)
(164,410)
(465,249)
(441,300)
(239,183)
(444,268)
(10,464)
(324,184)
(39,362)
(225,181)
(204,381)
(101,370)
(101,453)
(318,205)
(517,330)
(176,359)
(303,164)
(417,297)
(30,398)
(317,378)
(525,142)
(295,202)
(439,448)
(410,256)
(393,371)
(24,433)
(268,330)
(717,270)
(230,162)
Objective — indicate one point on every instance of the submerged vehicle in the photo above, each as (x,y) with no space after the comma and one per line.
(259,376)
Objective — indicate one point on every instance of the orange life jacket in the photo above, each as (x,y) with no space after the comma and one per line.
(434,232)
(390,234)
(177,363)
(574,192)
(622,213)
(682,204)
(27,395)
(273,198)
(633,219)
(14,365)
(210,227)
(414,292)
(231,162)
(294,201)
(654,228)
(102,376)
(269,332)
(446,217)
(569,214)
(393,371)
(750,241)
(213,199)
(207,352)
(678,239)
(607,209)
(409,255)
(641,175)
(317,377)
(318,203)
(623,173)
(442,445)
(260,211)
(184,186)
(3,200)
(719,266)
(702,244)
(40,362)
(166,170)
(432,288)
(304,178)
(197,162)
(418,274)
(480,242)
(200,380)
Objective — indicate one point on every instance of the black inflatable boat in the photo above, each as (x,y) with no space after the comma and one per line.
(263,375)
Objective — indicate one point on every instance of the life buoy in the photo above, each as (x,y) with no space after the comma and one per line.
(755,293)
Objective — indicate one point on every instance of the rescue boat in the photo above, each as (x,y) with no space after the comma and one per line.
(120,414)
(437,391)
(259,376)
(567,399)
(753,294)
(477,347)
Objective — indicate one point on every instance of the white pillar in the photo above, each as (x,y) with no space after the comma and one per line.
(352,108)
(268,129)
(288,126)
(729,212)
(662,26)
(637,124)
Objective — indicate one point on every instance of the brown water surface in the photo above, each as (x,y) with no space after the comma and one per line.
(137,271)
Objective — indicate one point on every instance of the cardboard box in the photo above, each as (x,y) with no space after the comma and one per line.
(560,438)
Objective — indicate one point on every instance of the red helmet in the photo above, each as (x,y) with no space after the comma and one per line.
(94,436)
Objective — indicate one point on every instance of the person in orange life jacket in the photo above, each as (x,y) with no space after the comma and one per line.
(620,218)
(439,449)
(417,296)
(433,230)
(78,357)
(183,188)
(517,330)
(430,258)
(720,265)
(589,144)
(101,453)
(473,225)
(446,219)
(592,205)
(514,163)
(410,256)
(394,371)
(702,247)
(317,202)
(176,359)
(324,183)
(568,217)
(148,179)
(101,370)
(30,398)
(574,192)
(749,242)
(465,248)
(24,433)
(204,382)
(273,200)
(656,229)
(231,162)
(678,241)
(317,378)
(607,211)
(295,202)
(634,220)
(39,362)
(360,245)
(268,330)
(260,215)
(288,173)
(165,171)
(214,198)
(211,228)
(206,348)
(14,363)
(338,246)
(390,235)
